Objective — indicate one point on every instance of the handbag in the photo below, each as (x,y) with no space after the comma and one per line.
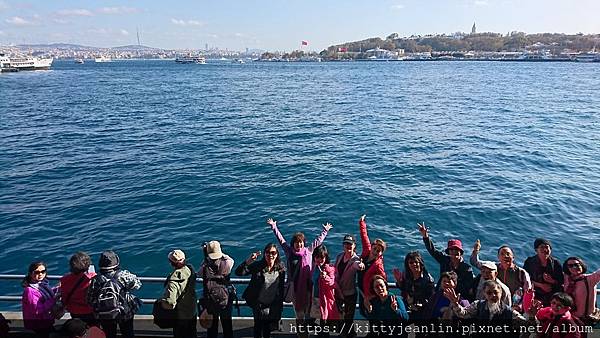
(205,319)
(163,318)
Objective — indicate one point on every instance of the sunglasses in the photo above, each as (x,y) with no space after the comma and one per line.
(39,272)
(272,253)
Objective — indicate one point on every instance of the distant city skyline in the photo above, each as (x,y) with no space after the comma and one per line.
(278,25)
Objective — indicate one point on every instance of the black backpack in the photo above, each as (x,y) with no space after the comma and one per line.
(167,318)
(110,298)
(216,287)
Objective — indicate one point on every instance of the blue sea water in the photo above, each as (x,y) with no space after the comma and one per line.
(146,156)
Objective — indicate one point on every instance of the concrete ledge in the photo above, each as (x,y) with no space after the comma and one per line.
(242,327)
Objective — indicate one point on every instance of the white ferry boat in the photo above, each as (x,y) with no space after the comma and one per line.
(102,59)
(79,61)
(191,59)
(588,57)
(26,63)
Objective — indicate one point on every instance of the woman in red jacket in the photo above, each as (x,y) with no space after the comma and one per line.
(372,257)
(74,287)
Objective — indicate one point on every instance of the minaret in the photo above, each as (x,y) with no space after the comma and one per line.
(474,29)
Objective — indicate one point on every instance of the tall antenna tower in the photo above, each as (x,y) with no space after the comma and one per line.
(138,36)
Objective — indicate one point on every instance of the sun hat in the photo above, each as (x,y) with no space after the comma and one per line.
(109,260)
(176,256)
(455,244)
(213,249)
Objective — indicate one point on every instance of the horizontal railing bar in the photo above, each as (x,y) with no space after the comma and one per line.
(143,279)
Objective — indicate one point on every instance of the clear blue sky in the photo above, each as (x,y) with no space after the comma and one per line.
(278,24)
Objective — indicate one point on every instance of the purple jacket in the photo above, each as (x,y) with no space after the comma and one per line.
(37,308)
(301,284)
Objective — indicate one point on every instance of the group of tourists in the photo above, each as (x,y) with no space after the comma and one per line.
(325,289)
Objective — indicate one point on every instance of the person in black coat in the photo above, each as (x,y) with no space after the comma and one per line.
(545,271)
(264,294)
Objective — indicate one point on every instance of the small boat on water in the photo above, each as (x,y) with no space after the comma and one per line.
(79,61)
(191,59)
(102,58)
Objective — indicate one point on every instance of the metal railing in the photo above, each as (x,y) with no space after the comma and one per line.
(157,280)
(240,281)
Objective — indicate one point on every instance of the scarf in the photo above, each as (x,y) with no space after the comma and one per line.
(44,288)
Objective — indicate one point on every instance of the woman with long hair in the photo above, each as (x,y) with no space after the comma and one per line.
(38,300)
(581,286)
(264,294)
(323,305)
(416,284)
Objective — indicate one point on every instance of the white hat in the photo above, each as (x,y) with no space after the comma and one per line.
(213,249)
(176,256)
(489,265)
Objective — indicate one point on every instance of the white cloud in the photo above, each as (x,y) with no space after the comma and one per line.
(180,22)
(2,33)
(74,12)
(117,10)
(124,32)
(397,6)
(18,21)
(60,21)
(3,6)
(239,35)
(481,3)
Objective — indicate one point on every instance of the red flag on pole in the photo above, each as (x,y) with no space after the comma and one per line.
(304,43)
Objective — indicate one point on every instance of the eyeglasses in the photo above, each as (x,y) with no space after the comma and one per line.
(39,272)
(272,253)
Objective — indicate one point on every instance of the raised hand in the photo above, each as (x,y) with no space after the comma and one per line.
(327,226)
(477,245)
(423,230)
(536,305)
(253,256)
(363,217)
(361,265)
(272,222)
(398,275)
(451,295)
(394,303)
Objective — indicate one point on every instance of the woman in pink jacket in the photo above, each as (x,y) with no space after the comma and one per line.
(38,300)
(323,305)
